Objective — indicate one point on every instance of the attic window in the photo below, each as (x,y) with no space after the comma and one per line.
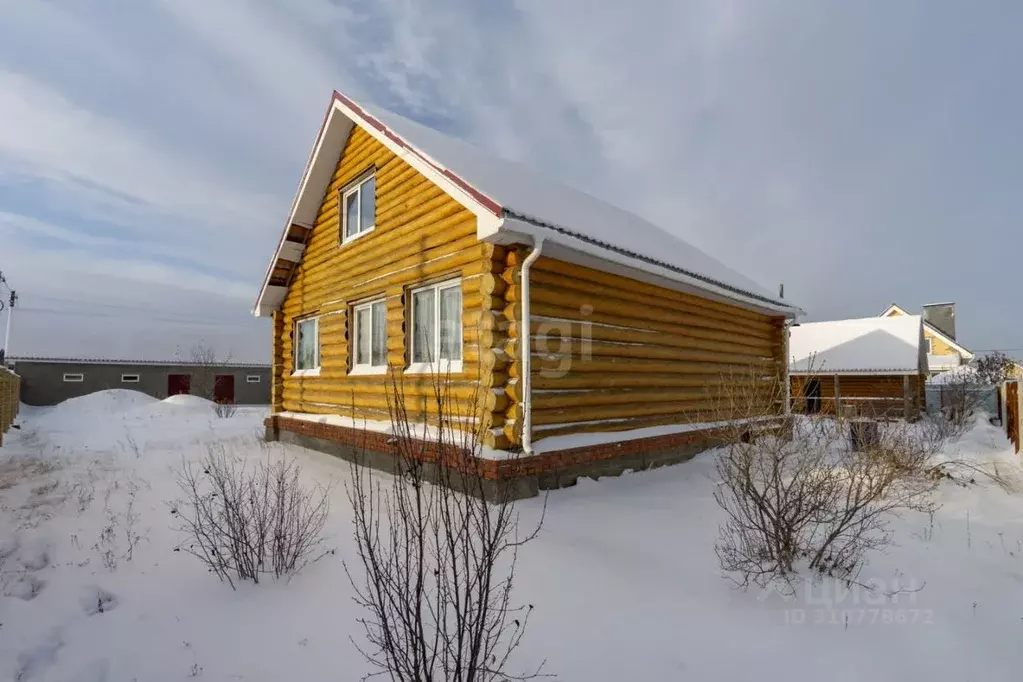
(358,208)
(930,348)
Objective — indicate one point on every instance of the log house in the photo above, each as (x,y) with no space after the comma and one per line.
(574,331)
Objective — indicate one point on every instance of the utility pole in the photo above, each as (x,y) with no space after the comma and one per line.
(11,303)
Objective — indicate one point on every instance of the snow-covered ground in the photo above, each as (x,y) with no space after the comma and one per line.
(623,576)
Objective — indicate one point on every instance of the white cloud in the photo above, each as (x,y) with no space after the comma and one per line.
(48,137)
(834,146)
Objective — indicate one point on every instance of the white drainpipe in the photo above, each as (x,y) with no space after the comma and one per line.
(526,346)
(788,368)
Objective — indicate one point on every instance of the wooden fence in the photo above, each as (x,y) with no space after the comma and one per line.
(1010,398)
(10,398)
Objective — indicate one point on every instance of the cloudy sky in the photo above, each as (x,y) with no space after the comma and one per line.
(859,152)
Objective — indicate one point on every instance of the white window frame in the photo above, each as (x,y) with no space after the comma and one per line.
(126,378)
(255,378)
(367,368)
(315,369)
(74,378)
(930,346)
(438,366)
(355,188)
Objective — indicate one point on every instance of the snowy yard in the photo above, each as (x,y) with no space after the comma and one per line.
(623,576)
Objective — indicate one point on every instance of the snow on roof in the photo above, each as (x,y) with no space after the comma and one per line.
(961,374)
(871,344)
(527,194)
(509,196)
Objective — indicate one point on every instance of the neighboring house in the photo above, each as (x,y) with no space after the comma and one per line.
(48,381)
(943,352)
(63,354)
(875,366)
(411,253)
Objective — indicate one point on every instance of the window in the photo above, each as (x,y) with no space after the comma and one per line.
(129,378)
(252,378)
(370,338)
(929,347)
(307,346)
(74,378)
(358,208)
(437,328)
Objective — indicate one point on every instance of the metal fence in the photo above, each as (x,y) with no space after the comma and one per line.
(939,397)
(10,399)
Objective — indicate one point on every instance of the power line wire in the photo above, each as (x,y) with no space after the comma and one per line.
(125,307)
(158,317)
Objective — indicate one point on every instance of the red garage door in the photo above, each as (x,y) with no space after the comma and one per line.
(223,388)
(179,384)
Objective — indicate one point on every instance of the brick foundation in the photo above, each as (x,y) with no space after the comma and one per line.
(528,475)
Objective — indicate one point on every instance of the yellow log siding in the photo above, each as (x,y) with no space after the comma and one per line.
(421,236)
(610,353)
(938,346)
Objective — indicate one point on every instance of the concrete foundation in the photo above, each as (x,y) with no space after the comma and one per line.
(522,478)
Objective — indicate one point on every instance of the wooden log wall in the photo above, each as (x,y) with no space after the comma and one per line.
(10,399)
(421,236)
(610,353)
(863,395)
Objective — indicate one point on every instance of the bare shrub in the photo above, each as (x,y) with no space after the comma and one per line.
(245,522)
(224,409)
(799,493)
(437,550)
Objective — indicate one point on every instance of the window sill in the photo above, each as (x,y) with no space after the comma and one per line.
(367,370)
(442,368)
(306,372)
(349,240)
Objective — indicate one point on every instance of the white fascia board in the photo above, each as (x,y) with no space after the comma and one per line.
(429,167)
(314,170)
(887,311)
(291,251)
(949,341)
(323,161)
(566,248)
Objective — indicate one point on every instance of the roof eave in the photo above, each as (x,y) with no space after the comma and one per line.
(517,228)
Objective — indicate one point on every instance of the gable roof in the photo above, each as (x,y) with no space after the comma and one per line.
(968,354)
(894,307)
(513,204)
(881,345)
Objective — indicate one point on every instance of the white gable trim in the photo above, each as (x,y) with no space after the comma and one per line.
(341,116)
(937,332)
(944,337)
(893,307)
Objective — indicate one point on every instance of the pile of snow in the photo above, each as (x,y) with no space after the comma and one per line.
(623,576)
(960,375)
(188,401)
(110,401)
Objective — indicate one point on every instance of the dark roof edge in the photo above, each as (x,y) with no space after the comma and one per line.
(653,261)
(121,361)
